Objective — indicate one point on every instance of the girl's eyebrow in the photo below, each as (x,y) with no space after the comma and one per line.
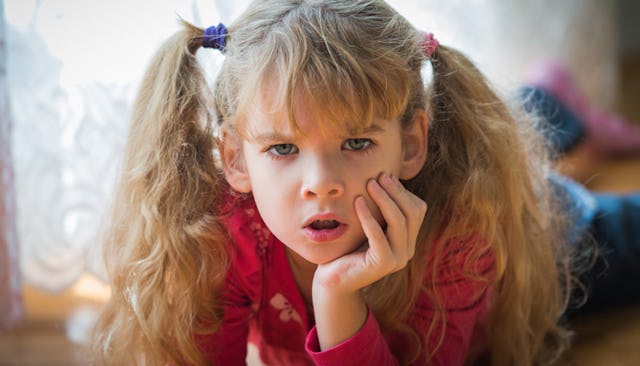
(274,136)
(374,128)
(270,137)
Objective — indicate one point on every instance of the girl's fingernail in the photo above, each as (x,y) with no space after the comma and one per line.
(386,178)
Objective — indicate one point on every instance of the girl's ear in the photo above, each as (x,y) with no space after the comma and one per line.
(414,145)
(233,165)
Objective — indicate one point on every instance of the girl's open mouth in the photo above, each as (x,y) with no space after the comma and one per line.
(324,224)
(323,230)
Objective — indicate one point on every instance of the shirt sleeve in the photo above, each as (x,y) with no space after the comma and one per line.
(463,326)
(228,345)
(464,291)
(350,352)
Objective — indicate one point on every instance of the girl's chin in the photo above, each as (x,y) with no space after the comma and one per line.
(323,253)
(324,258)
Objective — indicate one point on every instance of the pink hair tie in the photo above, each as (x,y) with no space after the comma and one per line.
(429,44)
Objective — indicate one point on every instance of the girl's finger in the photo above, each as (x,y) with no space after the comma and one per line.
(391,211)
(379,247)
(396,230)
(412,207)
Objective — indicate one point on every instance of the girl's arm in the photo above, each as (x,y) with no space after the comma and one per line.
(366,347)
(339,308)
(465,301)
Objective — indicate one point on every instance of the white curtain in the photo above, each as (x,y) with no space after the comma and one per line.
(74,66)
(11,311)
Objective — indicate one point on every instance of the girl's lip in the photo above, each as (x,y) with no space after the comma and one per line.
(324,235)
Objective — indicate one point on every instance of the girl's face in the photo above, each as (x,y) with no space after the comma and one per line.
(305,184)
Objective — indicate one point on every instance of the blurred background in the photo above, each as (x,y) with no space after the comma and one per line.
(69,71)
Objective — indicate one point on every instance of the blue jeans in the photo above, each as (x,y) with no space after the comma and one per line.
(611,220)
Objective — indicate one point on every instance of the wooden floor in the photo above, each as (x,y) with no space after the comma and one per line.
(57,325)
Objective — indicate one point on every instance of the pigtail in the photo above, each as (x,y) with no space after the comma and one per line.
(164,247)
(488,170)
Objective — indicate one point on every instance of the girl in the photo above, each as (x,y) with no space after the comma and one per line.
(302,226)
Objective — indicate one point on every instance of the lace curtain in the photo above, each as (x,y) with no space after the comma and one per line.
(74,66)
(10,300)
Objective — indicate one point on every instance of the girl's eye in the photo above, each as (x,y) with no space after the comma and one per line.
(357,144)
(283,149)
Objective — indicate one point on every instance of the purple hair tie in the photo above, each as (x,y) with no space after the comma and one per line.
(215,37)
(429,44)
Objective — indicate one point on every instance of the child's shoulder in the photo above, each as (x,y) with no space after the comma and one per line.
(251,245)
(249,237)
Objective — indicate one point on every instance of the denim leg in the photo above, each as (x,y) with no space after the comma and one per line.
(579,204)
(563,128)
(612,223)
(615,277)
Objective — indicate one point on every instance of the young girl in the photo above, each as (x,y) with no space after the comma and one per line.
(299,222)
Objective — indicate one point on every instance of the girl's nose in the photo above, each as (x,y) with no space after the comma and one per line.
(323,191)
(322,181)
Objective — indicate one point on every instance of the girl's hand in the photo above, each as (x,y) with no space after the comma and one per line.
(339,308)
(386,251)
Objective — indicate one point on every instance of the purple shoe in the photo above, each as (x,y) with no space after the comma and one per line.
(607,134)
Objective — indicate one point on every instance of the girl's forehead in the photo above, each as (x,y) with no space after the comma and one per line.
(263,122)
(301,114)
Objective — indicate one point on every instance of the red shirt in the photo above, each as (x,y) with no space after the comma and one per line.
(263,305)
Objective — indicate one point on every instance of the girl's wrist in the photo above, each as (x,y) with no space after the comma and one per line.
(338,315)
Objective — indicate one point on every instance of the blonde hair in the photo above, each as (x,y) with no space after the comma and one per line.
(485,175)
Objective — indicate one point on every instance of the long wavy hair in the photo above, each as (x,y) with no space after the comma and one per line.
(486,175)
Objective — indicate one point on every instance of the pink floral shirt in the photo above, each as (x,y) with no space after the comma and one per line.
(263,305)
